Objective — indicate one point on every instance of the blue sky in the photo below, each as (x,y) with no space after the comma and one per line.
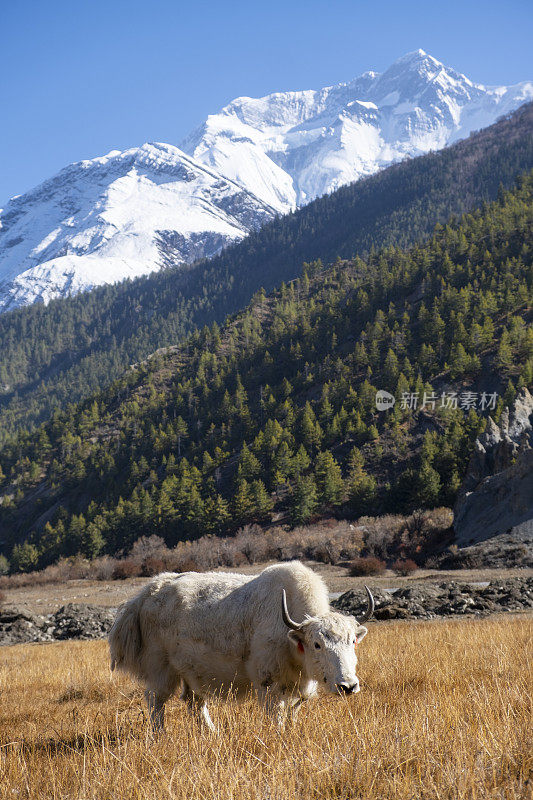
(80,78)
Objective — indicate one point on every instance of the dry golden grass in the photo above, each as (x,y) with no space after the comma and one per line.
(444,712)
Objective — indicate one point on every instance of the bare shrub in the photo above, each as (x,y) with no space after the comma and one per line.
(153,566)
(252,543)
(458,559)
(10,582)
(3,597)
(382,534)
(189,565)
(327,541)
(366,565)
(127,568)
(146,547)
(327,552)
(103,568)
(394,535)
(427,529)
(74,568)
(417,522)
(405,566)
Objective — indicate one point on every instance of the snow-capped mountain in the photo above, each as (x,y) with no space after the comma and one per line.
(132,212)
(119,216)
(291,147)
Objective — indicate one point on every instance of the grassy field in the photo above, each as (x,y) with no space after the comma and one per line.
(444,712)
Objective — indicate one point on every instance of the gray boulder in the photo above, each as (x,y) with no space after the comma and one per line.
(17,625)
(443,599)
(73,621)
(79,621)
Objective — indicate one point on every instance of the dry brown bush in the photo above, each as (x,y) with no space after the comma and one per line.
(366,565)
(457,727)
(412,535)
(127,568)
(328,541)
(152,565)
(103,568)
(405,566)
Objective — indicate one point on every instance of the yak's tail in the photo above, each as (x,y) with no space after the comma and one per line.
(125,637)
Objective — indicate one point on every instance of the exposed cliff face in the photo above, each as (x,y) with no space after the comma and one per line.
(497,494)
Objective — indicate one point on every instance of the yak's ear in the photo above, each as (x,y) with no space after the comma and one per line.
(297,638)
(360,632)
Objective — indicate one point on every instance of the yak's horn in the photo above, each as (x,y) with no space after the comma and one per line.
(290,623)
(370,607)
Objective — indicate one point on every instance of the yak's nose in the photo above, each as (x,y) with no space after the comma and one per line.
(348,688)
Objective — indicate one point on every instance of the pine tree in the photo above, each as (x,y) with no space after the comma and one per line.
(242,504)
(249,465)
(390,369)
(261,500)
(361,487)
(216,514)
(504,356)
(92,541)
(311,432)
(182,431)
(75,534)
(24,557)
(301,461)
(329,481)
(458,361)
(304,500)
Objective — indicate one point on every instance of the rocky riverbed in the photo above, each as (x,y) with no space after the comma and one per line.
(420,601)
(444,599)
(72,621)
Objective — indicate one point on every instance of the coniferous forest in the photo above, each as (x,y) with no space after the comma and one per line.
(274,412)
(66,352)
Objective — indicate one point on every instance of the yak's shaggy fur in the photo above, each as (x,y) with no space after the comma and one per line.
(212,632)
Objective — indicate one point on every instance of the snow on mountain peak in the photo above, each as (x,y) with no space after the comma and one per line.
(120,215)
(133,211)
(291,147)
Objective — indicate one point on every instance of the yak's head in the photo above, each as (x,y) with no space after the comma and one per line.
(326,646)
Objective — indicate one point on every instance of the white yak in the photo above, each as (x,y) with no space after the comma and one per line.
(215,632)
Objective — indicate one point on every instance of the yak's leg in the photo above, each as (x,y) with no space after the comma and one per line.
(274,705)
(198,707)
(156,697)
(156,708)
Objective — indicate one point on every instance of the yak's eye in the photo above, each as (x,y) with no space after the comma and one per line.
(317,646)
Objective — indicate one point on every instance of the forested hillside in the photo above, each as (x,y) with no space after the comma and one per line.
(51,356)
(275,414)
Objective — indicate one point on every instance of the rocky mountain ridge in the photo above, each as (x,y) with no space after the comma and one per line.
(129,213)
(290,147)
(119,216)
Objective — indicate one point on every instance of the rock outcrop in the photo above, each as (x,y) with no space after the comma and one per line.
(443,599)
(496,497)
(73,621)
